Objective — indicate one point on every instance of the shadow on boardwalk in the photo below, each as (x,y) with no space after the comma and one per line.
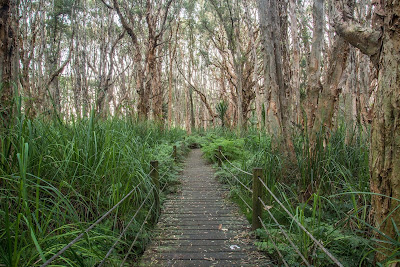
(199,227)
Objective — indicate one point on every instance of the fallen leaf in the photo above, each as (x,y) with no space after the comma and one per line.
(234,247)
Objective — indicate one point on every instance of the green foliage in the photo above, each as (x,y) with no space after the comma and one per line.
(58,178)
(232,149)
(322,166)
(321,189)
(221,108)
(349,248)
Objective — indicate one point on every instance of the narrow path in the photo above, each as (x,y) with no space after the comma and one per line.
(200,227)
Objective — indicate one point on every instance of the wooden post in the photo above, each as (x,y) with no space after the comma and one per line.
(155,178)
(175,154)
(219,156)
(257,193)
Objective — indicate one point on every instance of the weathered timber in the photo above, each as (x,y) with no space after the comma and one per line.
(175,154)
(219,156)
(199,226)
(155,177)
(257,193)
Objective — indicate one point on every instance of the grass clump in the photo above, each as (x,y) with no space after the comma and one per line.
(318,189)
(57,178)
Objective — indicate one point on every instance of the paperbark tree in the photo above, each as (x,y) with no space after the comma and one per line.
(148,73)
(171,56)
(277,109)
(382,44)
(328,98)
(254,55)
(28,37)
(295,85)
(273,119)
(7,44)
(229,18)
(106,67)
(314,68)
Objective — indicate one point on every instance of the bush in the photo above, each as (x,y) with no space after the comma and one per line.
(232,149)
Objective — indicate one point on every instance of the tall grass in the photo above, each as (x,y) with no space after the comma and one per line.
(321,189)
(57,178)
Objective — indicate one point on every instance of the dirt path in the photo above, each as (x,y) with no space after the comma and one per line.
(200,227)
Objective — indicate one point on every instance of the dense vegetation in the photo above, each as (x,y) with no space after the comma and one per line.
(328,192)
(319,79)
(58,178)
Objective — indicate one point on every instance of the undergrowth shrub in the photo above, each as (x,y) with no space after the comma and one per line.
(232,149)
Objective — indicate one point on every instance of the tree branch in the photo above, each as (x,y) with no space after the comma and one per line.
(201,94)
(366,39)
(125,24)
(164,19)
(107,5)
(59,70)
(62,67)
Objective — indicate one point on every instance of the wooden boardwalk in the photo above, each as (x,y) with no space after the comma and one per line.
(200,227)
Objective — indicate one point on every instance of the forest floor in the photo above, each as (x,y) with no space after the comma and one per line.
(199,226)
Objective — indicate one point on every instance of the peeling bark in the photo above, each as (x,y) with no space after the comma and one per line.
(365,39)
(6,55)
(330,92)
(385,142)
(314,68)
(383,46)
(275,55)
(272,111)
(295,92)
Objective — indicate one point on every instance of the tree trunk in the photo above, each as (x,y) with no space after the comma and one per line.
(239,93)
(314,72)
(282,60)
(170,92)
(143,102)
(385,143)
(273,119)
(272,38)
(295,92)
(6,55)
(254,56)
(171,53)
(153,85)
(190,69)
(188,112)
(330,91)
(54,56)
(382,44)
(350,96)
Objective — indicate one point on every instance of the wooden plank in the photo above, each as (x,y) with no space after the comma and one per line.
(200,255)
(233,227)
(198,227)
(205,248)
(197,263)
(191,243)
